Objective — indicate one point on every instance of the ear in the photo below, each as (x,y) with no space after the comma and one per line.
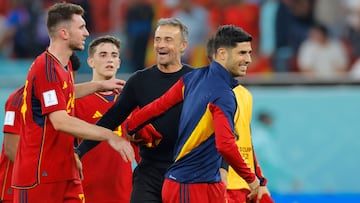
(63,33)
(222,53)
(90,62)
(183,46)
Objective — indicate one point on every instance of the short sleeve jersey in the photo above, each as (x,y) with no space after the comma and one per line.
(44,154)
(12,125)
(106,175)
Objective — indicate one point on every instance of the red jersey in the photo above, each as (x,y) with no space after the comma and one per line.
(12,124)
(45,155)
(106,176)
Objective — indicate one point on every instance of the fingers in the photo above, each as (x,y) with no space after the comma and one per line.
(124,147)
(127,153)
(254,188)
(79,166)
(252,194)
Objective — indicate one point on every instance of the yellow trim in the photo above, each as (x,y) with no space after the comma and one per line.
(204,129)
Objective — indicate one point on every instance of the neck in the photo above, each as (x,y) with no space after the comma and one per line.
(170,68)
(60,52)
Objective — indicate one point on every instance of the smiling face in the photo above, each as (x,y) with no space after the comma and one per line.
(169,45)
(235,60)
(105,61)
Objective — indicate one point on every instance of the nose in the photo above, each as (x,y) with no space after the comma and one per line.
(86,33)
(248,58)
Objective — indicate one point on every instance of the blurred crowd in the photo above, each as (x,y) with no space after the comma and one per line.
(319,38)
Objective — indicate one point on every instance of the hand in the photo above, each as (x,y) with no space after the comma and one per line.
(123,146)
(115,85)
(223,174)
(254,188)
(79,166)
(125,133)
(263,195)
(150,137)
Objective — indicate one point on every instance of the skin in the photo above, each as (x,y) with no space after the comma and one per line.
(105,62)
(169,46)
(235,60)
(10,145)
(67,37)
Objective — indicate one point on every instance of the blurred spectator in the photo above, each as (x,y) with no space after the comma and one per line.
(267,148)
(352,27)
(321,56)
(25,30)
(355,70)
(138,28)
(293,20)
(100,16)
(267,23)
(328,12)
(194,15)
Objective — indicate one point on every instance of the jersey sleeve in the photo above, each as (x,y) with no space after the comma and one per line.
(172,97)
(225,138)
(49,87)
(12,120)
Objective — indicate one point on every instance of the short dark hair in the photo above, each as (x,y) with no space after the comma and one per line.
(102,39)
(321,28)
(75,62)
(61,12)
(210,49)
(229,35)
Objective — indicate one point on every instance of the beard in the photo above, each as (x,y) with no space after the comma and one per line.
(76,47)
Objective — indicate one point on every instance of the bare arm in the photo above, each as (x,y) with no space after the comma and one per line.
(10,145)
(81,129)
(86,88)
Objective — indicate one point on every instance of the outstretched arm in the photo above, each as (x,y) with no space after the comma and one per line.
(139,119)
(86,88)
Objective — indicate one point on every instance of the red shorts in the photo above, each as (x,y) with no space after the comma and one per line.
(174,192)
(66,191)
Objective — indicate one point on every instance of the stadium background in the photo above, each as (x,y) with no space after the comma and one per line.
(314,133)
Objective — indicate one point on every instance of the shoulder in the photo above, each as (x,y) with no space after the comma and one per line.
(242,91)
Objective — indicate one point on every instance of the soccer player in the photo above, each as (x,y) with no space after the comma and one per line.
(45,169)
(107,177)
(143,87)
(237,187)
(13,125)
(206,130)
(12,130)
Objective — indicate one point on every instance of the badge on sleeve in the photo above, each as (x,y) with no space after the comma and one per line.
(50,98)
(9,118)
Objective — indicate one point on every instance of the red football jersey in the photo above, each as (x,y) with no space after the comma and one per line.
(44,154)
(106,176)
(13,125)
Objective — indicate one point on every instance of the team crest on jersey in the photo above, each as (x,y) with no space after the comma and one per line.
(65,85)
(97,114)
